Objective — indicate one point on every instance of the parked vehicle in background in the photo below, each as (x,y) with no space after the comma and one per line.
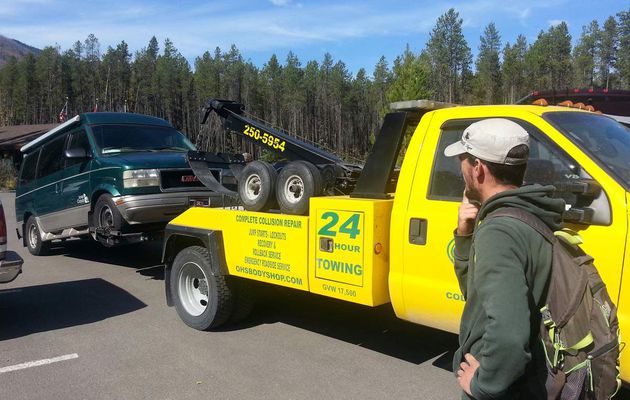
(10,261)
(117,177)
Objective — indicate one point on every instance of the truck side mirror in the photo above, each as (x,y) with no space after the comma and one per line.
(588,202)
(76,153)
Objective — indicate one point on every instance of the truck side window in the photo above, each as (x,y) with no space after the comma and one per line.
(29,165)
(447,182)
(547,165)
(52,158)
(77,140)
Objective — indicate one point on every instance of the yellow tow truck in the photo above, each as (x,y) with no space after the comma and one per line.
(389,238)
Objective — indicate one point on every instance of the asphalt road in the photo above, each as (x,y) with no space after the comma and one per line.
(97,320)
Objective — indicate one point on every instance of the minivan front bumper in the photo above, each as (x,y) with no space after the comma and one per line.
(10,266)
(160,207)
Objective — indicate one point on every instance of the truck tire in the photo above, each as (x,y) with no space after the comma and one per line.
(36,246)
(203,299)
(256,186)
(244,300)
(330,173)
(107,217)
(298,181)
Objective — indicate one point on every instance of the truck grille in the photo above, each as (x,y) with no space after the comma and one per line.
(182,178)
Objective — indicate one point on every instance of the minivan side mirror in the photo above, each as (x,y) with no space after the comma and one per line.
(76,153)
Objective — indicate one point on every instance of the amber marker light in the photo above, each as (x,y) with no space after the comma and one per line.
(541,102)
(566,103)
(378,248)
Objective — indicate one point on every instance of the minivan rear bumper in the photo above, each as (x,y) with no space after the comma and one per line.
(10,267)
(161,207)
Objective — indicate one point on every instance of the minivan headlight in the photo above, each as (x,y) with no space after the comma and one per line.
(141,178)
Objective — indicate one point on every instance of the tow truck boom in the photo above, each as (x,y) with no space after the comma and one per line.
(266,137)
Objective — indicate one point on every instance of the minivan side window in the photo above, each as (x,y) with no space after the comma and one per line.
(29,167)
(77,140)
(52,158)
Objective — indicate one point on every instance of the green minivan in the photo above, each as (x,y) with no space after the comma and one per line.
(117,177)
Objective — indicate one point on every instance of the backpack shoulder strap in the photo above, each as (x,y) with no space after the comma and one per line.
(527,217)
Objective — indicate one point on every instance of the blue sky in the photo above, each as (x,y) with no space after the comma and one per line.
(358,32)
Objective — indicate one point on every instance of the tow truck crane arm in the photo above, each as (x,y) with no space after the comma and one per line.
(266,137)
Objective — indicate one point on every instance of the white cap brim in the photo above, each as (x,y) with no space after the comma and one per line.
(454,149)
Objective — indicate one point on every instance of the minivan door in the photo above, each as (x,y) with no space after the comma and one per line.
(75,191)
(48,203)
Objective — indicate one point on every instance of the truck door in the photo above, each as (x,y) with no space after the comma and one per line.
(429,287)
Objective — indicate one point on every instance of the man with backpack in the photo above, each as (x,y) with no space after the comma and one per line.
(503,265)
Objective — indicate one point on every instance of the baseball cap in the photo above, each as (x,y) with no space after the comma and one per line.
(491,140)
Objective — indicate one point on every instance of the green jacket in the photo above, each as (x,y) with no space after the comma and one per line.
(503,268)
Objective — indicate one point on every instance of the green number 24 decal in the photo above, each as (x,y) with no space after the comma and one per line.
(350,227)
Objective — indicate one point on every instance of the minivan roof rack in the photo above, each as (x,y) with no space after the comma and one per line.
(50,133)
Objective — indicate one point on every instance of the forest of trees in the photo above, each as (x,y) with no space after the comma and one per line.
(319,100)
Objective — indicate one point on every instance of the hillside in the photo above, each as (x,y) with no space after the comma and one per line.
(12,47)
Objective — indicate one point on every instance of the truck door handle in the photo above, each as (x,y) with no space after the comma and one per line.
(418,231)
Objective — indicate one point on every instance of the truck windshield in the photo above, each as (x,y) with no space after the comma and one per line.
(605,140)
(112,139)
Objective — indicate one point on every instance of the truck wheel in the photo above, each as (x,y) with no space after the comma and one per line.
(256,186)
(106,216)
(330,173)
(298,181)
(36,246)
(203,300)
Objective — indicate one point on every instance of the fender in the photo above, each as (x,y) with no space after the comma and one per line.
(177,237)
(104,187)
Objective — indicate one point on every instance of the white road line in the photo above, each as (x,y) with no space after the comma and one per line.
(38,363)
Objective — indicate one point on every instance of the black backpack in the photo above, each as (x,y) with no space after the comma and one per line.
(579,328)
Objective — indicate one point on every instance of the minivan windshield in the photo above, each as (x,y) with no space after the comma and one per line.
(113,139)
(605,140)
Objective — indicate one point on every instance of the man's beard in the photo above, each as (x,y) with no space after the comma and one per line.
(472,194)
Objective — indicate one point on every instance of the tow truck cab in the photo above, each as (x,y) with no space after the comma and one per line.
(398,248)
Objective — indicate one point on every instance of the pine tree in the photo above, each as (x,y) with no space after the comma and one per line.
(487,86)
(623,55)
(514,70)
(449,57)
(272,83)
(381,80)
(585,56)
(608,51)
(549,59)
(409,78)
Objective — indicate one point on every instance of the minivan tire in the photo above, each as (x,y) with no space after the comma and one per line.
(106,215)
(203,299)
(34,243)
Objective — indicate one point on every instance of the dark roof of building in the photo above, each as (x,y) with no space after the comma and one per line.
(18,135)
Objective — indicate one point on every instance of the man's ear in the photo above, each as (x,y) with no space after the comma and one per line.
(480,170)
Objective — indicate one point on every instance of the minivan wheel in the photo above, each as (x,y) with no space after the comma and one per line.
(36,246)
(106,218)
